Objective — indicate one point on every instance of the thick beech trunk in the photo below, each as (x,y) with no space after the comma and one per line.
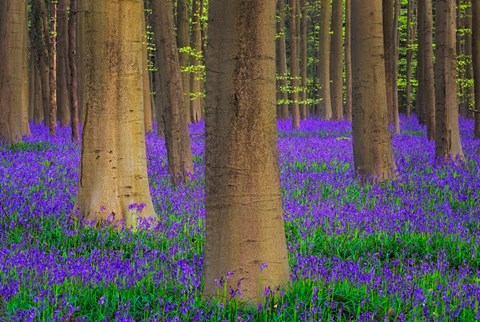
(476,62)
(13,71)
(113,173)
(372,148)
(245,244)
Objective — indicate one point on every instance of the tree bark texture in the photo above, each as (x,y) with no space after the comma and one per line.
(196,61)
(447,134)
(63,102)
(179,152)
(372,148)
(73,79)
(183,42)
(13,71)
(324,109)
(244,224)
(336,70)
(113,173)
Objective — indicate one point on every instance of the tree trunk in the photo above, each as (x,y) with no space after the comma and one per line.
(324,109)
(389,44)
(447,134)
(476,62)
(52,69)
(113,172)
(179,153)
(196,78)
(426,89)
(408,76)
(304,58)
(62,65)
(73,79)
(372,149)
(37,95)
(282,60)
(336,70)
(245,244)
(348,62)
(41,38)
(13,71)
(294,66)
(183,42)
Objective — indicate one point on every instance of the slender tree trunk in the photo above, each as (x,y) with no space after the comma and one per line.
(388,42)
(52,69)
(62,64)
(179,153)
(348,62)
(410,39)
(40,27)
(336,70)
(113,172)
(73,79)
(304,58)
(294,66)
(282,60)
(447,134)
(476,62)
(13,71)
(38,103)
(372,149)
(245,244)
(183,41)
(196,78)
(324,110)
(426,89)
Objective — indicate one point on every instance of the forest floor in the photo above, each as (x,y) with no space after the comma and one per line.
(405,250)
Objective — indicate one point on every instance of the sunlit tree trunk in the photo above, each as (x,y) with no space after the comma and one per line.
(447,134)
(179,153)
(245,244)
(372,148)
(113,172)
(13,71)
